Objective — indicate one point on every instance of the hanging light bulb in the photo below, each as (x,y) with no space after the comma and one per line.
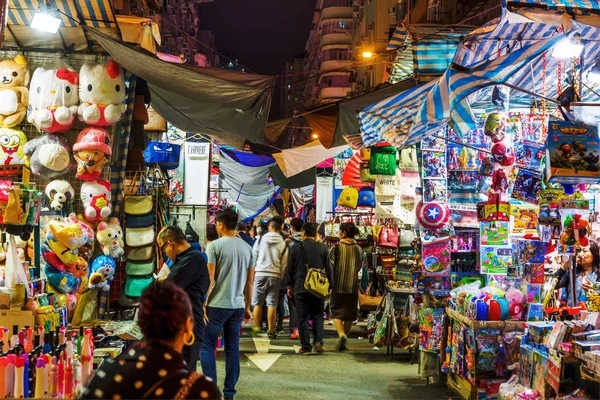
(45,21)
(567,48)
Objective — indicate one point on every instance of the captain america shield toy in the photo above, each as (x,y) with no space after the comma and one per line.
(432,215)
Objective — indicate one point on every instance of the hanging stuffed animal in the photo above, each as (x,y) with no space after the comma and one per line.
(103,271)
(96,197)
(59,193)
(12,142)
(14,96)
(92,152)
(102,93)
(110,237)
(49,155)
(54,99)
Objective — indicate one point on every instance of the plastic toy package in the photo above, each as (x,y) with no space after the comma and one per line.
(529,155)
(436,259)
(434,165)
(575,225)
(526,186)
(434,190)
(433,143)
(487,349)
(463,180)
(462,158)
(524,220)
(534,128)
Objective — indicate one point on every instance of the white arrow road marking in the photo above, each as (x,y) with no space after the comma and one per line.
(262,358)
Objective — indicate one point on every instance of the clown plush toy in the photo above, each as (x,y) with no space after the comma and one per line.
(92,151)
(54,99)
(102,93)
(95,197)
(12,142)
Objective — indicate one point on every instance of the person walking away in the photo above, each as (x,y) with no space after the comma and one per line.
(156,368)
(270,255)
(296,225)
(242,233)
(346,261)
(308,254)
(231,280)
(189,271)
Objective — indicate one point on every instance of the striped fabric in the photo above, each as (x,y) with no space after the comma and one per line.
(403,67)
(398,38)
(455,86)
(554,4)
(96,13)
(346,262)
(117,169)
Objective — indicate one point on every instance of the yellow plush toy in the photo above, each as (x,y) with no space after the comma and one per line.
(69,234)
(11,146)
(14,95)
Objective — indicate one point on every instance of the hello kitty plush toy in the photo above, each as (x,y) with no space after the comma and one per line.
(54,98)
(95,197)
(102,93)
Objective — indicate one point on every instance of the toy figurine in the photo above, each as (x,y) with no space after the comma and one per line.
(464,158)
(453,159)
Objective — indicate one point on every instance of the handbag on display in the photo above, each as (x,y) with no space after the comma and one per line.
(406,238)
(383,160)
(365,173)
(139,269)
(332,229)
(165,154)
(139,254)
(366,197)
(365,231)
(365,154)
(388,260)
(348,198)
(388,237)
(368,302)
(138,205)
(137,237)
(140,221)
(387,207)
(408,159)
(155,121)
(134,285)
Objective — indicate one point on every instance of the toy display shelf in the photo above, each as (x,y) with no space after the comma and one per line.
(505,326)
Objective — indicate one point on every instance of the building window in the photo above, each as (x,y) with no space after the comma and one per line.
(336,55)
(335,81)
(337,27)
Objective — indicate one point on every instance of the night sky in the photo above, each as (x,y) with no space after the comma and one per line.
(262,34)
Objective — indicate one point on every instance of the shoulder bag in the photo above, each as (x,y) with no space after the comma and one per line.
(165,154)
(366,197)
(383,160)
(138,237)
(316,282)
(135,285)
(138,205)
(367,302)
(139,269)
(137,254)
(348,198)
(388,237)
(332,229)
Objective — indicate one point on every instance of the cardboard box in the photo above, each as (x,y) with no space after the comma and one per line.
(573,154)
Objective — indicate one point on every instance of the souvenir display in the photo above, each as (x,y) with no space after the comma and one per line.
(14,94)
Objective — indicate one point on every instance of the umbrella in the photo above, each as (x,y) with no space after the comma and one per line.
(351,175)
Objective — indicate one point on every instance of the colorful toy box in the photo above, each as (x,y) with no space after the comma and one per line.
(573,154)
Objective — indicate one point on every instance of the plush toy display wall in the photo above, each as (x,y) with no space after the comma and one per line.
(76,150)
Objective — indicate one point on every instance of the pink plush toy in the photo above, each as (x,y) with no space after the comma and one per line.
(515,300)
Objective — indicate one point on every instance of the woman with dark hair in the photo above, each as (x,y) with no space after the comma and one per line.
(346,261)
(587,272)
(155,369)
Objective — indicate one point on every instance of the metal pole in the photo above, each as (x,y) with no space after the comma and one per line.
(572,297)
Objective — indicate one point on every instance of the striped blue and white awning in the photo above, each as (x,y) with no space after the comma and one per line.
(96,13)
(398,38)
(403,67)
(561,5)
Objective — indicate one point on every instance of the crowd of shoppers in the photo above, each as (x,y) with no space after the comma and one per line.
(209,293)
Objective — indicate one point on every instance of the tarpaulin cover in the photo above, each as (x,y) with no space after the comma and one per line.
(294,161)
(248,159)
(227,104)
(302,196)
(275,128)
(304,178)
(249,187)
(332,123)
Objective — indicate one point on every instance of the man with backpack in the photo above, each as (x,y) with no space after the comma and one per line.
(308,254)
(270,254)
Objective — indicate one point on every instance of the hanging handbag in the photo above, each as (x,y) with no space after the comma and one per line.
(140,221)
(332,229)
(408,159)
(134,285)
(406,238)
(155,121)
(374,319)
(365,154)
(383,160)
(368,302)
(348,198)
(388,237)
(387,207)
(365,173)
(388,260)
(137,237)
(376,230)
(381,331)
(138,205)
(365,231)
(139,269)
(165,154)
(366,197)
(316,282)
(137,254)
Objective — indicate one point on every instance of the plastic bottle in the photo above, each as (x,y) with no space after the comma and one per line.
(10,375)
(29,343)
(3,363)
(14,339)
(19,367)
(61,376)
(40,369)
(6,345)
(25,375)
(69,380)
(86,358)
(53,380)
(46,343)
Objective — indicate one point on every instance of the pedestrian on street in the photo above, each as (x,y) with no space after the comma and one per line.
(346,259)
(242,232)
(270,256)
(231,280)
(308,254)
(189,271)
(296,225)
